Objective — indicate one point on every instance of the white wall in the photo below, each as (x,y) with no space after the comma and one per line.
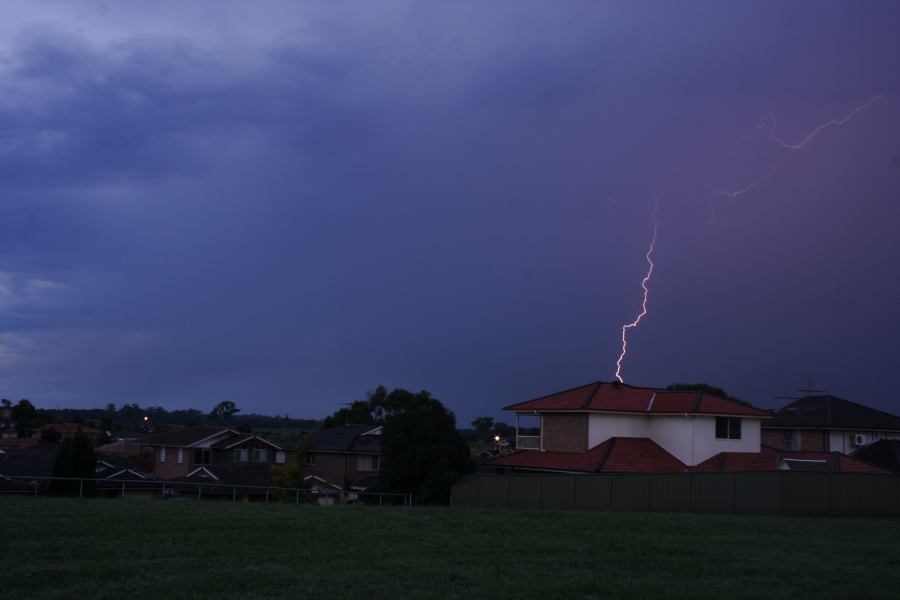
(691,439)
(601,427)
(841,441)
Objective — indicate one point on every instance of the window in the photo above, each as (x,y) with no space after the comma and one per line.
(309,458)
(201,456)
(790,440)
(260,455)
(180,457)
(366,462)
(728,428)
(162,454)
(279,457)
(241,455)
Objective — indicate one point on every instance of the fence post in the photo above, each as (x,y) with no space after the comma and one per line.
(81,488)
(163,491)
(380,499)
(123,488)
(35,487)
(199,490)
(297,498)
(233,493)
(267,495)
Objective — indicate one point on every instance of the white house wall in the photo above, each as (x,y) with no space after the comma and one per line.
(691,439)
(603,426)
(842,441)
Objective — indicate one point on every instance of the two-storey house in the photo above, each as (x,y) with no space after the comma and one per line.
(828,424)
(179,453)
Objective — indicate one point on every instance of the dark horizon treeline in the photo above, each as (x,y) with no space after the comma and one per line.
(132,417)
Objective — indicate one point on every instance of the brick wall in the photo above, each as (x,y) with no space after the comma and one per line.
(565,432)
(812,441)
(774,438)
(805,440)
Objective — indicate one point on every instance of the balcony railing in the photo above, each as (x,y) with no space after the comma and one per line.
(528,442)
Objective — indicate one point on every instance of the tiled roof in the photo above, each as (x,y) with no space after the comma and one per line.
(345,438)
(616,455)
(831,412)
(883,453)
(260,474)
(770,459)
(185,437)
(620,397)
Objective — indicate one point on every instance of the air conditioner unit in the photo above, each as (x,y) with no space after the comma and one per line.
(859,439)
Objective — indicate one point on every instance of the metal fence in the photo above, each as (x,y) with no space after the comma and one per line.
(774,492)
(84,487)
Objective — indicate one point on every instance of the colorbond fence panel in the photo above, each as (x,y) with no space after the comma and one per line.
(712,492)
(560,495)
(593,493)
(670,492)
(757,493)
(781,492)
(526,492)
(630,493)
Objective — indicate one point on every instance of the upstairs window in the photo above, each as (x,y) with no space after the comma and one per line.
(162,454)
(728,428)
(309,458)
(790,440)
(366,462)
(202,456)
(241,455)
(260,454)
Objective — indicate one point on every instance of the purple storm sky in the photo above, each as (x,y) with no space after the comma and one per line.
(288,204)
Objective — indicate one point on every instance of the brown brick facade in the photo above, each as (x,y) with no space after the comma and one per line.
(565,432)
(807,440)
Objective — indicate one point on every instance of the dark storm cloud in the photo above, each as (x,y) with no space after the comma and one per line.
(456,199)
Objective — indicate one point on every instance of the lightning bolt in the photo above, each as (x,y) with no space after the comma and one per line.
(644,283)
(769,124)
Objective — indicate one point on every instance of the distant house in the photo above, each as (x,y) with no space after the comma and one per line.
(618,428)
(828,424)
(348,456)
(179,453)
(7,423)
(67,430)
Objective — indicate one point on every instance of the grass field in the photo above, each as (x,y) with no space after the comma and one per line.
(70,548)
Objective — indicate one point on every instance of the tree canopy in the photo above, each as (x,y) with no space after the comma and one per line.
(224,410)
(423,452)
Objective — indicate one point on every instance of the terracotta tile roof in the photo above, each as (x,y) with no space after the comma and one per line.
(186,437)
(615,455)
(620,397)
(770,459)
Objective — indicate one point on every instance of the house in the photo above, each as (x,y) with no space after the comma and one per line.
(7,423)
(178,453)
(348,456)
(617,428)
(68,430)
(828,424)
(691,426)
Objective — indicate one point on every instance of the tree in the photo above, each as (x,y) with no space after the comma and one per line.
(5,403)
(424,454)
(360,412)
(223,411)
(290,475)
(25,415)
(75,458)
(483,426)
(49,435)
(700,387)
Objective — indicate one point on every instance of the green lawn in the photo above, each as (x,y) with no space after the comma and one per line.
(70,548)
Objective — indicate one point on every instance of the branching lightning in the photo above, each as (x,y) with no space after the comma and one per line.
(644,283)
(769,124)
